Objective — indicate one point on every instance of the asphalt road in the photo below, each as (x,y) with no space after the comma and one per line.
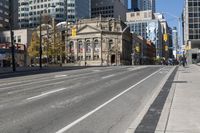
(92,100)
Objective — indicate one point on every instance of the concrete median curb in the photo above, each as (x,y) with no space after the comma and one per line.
(162,124)
(140,116)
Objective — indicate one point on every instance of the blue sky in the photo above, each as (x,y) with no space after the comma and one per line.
(174,7)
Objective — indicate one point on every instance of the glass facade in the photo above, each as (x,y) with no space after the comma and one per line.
(78,9)
(150,30)
(4,14)
(109,8)
(193,19)
(146,5)
(30,10)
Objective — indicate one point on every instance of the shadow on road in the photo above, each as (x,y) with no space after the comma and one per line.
(44,70)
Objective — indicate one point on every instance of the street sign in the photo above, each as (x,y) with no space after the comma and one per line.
(170,47)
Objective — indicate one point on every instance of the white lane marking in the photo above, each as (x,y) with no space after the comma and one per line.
(17,91)
(105,77)
(136,68)
(60,76)
(101,106)
(45,94)
(96,70)
(40,81)
(10,83)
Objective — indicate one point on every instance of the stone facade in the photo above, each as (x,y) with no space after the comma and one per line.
(99,41)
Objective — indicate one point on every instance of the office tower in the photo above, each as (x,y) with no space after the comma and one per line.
(125,3)
(4,14)
(30,11)
(192,21)
(146,5)
(191,26)
(108,8)
(144,24)
(78,9)
(175,40)
(23,13)
(134,5)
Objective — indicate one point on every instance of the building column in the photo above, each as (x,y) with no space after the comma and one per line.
(100,50)
(92,48)
(84,50)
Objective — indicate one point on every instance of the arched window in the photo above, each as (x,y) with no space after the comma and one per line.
(71,47)
(88,47)
(80,46)
(96,46)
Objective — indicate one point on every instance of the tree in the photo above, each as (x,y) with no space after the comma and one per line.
(33,49)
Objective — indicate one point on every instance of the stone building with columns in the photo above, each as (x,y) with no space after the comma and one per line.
(99,42)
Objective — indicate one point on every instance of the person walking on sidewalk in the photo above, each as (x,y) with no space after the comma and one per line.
(183,60)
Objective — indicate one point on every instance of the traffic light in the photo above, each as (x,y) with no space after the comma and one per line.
(166,48)
(165,37)
(137,48)
(74,32)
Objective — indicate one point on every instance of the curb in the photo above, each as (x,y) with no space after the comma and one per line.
(139,118)
(165,114)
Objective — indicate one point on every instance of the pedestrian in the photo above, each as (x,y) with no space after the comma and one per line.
(183,61)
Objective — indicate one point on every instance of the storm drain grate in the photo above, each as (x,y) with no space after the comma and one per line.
(180,82)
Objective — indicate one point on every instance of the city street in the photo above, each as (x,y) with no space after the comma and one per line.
(92,100)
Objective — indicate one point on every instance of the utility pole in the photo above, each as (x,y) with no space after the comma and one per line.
(12,34)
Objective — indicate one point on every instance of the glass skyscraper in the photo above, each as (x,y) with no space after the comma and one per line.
(146,5)
(143,5)
(30,10)
(109,8)
(4,14)
(78,9)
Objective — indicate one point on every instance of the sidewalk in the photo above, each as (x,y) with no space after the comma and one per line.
(181,113)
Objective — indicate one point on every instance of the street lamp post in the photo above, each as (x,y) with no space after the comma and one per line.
(40,50)
(177,48)
(12,34)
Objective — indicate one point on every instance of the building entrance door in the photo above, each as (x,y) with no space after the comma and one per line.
(113,58)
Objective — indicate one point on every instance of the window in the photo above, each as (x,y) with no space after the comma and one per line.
(71,47)
(19,39)
(88,47)
(110,44)
(96,46)
(80,47)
